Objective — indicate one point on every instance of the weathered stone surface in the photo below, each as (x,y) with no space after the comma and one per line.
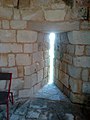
(17,84)
(82,61)
(26,36)
(85,75)
(68,58)
(13,70)
(25,93)
(7,36)
(79,37)
(70,49)
(3,60)
(75,85)
(37,87)
(74,71)
(35,47)
(5,48)
(5,24)
(86,87)
(38,56)
(16,14)
(6,13)
(23,59)
(34,78)
(28,48)
(79,50)
(8,3)
(45,72)
(40,75)
(16,48)
(55,15)
(20,71)
(18,24)
(27,82)
(30,69)
(11,60)
(87,50)
(53,26)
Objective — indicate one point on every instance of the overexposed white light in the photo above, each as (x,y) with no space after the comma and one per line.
(51,54)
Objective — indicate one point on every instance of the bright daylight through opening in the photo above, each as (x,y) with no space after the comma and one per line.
(51,54)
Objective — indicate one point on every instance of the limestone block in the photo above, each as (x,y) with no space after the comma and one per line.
(18,24)
(40,75)
(28,48)
(75,85)
(20,71)
(46,54)
(30,69)
(79,37)
(16,14)
(13,70)
(84,25)
(85,75)
(34,79)
(32,15)
(55,15)
(23,59)
(6,12)
(82,61)
(76,98)
(27,82)
(5,24)
(26,93)
(17,84)
(39,65)
(38,56)
(79,50)
(4,48)
(24,3)
(68,58)
(86,87)
(3,60)
(36,88)
(64,66)
(45,72)
(11,60)
(8,3)
(16,48)
(58,6)
(75,72)
(7,36)
(57,73)
(35,47)
(47,63)
(87,50)
(26,36)
(70,49)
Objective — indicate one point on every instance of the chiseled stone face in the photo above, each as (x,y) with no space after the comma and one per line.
(86,87)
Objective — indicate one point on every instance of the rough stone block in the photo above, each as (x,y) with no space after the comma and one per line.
(40,75)
(3,60)
(18,24)
(27,82)
(28,48)
(45,72)
(6,12)
(85,75)
(38,56)
(23,59)
(68,58)
(55,15)
(13,70)
(82,61)
(16,48)
(75,72)
(35,47)
(20,71)
(17,84)
(25,36)
(87,50)
(40,65)
(79,37)
(70,49)
(5,48)
(86,87)
(34,78)
(11,60)
(16,14)
(7,36)
(75,85)
(79,50)
(30,69)
(5,24)
(8,3)
(26,93)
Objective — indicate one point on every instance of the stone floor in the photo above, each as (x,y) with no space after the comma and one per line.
(48,104)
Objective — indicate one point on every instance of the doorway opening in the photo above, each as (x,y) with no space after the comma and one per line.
(51,54)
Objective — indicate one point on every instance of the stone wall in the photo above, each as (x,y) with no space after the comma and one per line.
(24,53)
(72,64)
